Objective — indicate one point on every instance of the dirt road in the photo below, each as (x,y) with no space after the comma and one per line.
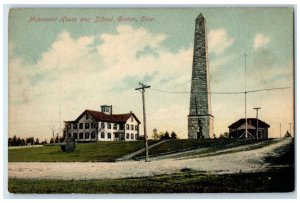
(243,161)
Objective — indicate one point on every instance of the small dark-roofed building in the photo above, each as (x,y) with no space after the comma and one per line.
(237,129)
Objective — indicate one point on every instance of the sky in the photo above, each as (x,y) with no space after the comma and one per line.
(58,69)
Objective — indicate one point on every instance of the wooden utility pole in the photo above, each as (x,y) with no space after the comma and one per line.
(291,128)
(142,90)
(280,130)
(246,122)
(257,108)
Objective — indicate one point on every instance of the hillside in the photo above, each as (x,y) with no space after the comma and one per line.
(113,151)
(97,151)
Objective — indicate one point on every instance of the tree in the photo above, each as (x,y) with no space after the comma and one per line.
(37,141)
(56,139)
(173,135)
(9,141)
(22,142)
(225,135)
(44,142)
(51,140)
(62,139)
(161,135)
(287,134)
(30,140)
(155,134)
(165,136)
(18,142)
(14,141)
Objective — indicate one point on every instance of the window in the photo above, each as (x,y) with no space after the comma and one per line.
(69,134)
(131,119)
(132,128)
(75,135)
(127,126)
(109,135)
(115,126)
(109,125)
(136,127)
(80,125)
(68,126)
(127,135)
(93,125)
(103,125)
(132,136)
(103,135)
(136,136)
(75,126)
(117,135)
(93,135)
(87,116)
(121,127)
(87,135)
(87,125)
(80,135)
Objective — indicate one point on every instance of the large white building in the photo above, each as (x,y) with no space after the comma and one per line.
(103,126)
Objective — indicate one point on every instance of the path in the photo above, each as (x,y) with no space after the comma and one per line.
(27,146)
(131,155)
(243,161)
(202,152)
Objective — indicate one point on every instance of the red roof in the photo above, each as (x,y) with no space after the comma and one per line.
(114,118)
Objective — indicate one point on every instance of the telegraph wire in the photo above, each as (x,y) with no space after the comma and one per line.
(237,92)
(268,89)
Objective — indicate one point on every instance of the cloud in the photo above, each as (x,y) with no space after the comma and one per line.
(77,73)
(218,41)
(277,76)
(124,45)
(260,41)
(263,65)
(216,65)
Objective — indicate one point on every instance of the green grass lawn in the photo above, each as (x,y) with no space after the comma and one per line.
(100,151)
(110,151)
(279,180)
(276,179)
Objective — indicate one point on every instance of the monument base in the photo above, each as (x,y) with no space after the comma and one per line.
(200,126)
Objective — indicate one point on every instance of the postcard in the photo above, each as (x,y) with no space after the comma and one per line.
(151,100)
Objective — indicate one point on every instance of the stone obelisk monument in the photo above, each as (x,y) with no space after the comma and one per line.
(200,120)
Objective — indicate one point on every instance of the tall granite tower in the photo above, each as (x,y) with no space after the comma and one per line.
(200,120)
